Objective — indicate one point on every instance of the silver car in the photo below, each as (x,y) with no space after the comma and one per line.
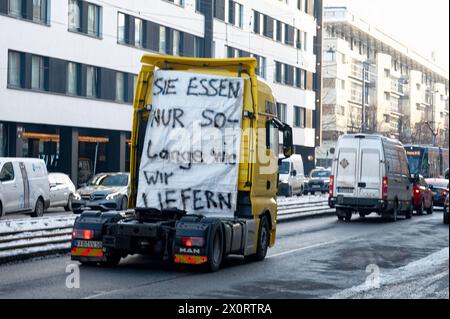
(105,191)
(62,190)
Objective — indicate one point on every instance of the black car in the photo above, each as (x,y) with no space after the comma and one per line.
(439,187)
(319,181)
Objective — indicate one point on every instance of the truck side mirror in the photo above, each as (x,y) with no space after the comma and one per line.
(294,173)
(288,147)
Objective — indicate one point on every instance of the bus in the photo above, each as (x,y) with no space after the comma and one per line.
(428,161)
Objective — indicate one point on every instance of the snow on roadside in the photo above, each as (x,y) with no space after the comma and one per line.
(409,281)
(21,225)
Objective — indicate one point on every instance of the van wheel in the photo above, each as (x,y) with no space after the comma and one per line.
(421,208)
(1,210)
(39,208)
(215,254)
(68,207)
(430,210)
(124,203)
(409,212)
(394,215)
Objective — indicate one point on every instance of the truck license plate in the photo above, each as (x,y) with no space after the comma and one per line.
(89,244)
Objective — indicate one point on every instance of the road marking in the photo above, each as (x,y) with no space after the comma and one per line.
(288,252)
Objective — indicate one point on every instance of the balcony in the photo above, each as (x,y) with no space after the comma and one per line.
(397,87)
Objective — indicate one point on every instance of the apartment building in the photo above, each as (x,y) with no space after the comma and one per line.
(69,68)
(374,83)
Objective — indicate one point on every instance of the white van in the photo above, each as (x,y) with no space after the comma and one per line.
(291,176)
(370,174)
(24,186)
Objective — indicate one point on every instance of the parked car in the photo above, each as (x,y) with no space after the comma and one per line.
(319,181)
(291,176)
(62,190)
(106,191)
(370,174)
(24,186)
(446,208)
(440,189)
(422,196)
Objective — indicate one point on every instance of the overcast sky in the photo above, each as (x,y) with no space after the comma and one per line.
(422,25)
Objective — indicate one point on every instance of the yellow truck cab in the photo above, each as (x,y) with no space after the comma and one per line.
(171,214)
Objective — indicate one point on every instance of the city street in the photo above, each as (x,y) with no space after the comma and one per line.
(315,258)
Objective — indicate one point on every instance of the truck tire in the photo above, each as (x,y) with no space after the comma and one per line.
(348,216)
(409,212)
(1,210)
(111,260)
(39,209)
(445,218)
(263,240)
(215,250)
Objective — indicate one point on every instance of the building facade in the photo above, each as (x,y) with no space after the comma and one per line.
(68,68)
(373,83)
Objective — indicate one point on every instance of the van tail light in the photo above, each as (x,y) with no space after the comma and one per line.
(416,190)
(385,188)
(446,201)
(331,194)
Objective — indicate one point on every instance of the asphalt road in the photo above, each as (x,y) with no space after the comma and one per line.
(317,258)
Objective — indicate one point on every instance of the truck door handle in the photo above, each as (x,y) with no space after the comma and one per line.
(362,185)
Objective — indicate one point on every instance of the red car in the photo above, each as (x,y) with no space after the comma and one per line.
(423,197)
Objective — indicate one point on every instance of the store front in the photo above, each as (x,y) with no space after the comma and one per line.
(80,153)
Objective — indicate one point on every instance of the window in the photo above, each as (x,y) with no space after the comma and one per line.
(329,56)
(177,2)
(121,28)
(15,8)
(72,78)
(74,15)
(138,33)
(279,72)
(235,13)
(256,22)
(40,11)
(176,42)
(91,81)
(120,86)
(93,20)
(279,31)
(14,69)
(282,112)
(7,172)
(261,69)
(268,27)
(300,78)
(37,72)
(162,40)
(299,117)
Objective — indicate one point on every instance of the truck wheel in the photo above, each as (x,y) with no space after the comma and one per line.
(409,212)
(111,260)
(348,216)
(68,207)
(38,209)
(1,210)
(215,254)
(445,219)
(341,218)
(340,213)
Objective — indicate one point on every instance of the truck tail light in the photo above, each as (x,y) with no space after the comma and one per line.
(385,188)
(192,241)
(331,186)
(85,234)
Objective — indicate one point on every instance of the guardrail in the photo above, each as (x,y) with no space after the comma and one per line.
(29,238)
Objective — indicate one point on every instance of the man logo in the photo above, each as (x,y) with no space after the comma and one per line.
(194,251)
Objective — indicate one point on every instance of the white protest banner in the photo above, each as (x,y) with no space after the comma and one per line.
(190,159)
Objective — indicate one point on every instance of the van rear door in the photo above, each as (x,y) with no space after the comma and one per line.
(345,183)
(369,177)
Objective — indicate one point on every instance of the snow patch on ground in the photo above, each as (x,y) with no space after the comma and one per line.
(423,278)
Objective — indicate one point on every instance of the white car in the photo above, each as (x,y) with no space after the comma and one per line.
(62,190)
(24,186)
